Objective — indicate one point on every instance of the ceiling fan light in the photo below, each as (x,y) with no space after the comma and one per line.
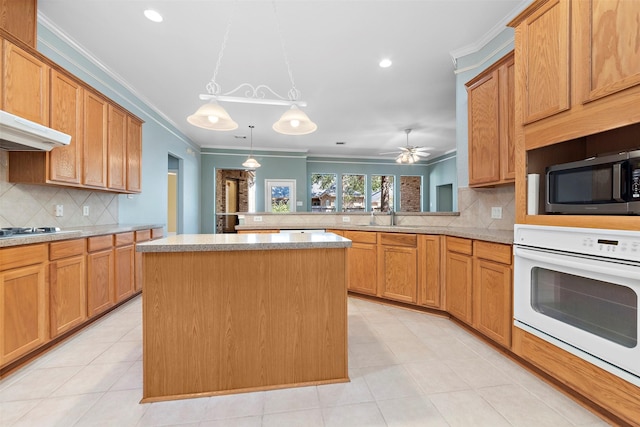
(213,117)
(294,122)
(251,163)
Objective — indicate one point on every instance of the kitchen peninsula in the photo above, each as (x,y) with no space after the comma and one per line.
(234,313)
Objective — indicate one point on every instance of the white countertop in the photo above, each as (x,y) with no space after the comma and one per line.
(243,242)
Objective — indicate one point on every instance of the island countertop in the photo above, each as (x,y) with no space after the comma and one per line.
(243,242)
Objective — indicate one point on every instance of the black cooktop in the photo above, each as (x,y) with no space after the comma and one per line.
(21,231)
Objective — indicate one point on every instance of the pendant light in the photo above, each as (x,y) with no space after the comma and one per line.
(212,116)
(251,163)
(294,122)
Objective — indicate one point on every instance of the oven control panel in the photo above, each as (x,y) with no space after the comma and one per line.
(620,244)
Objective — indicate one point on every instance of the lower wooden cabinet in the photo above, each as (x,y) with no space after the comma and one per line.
(23,301)
(493,291)
(398,267)
(124,264)
(100,274)
(140,236)
(362,275)
(67,285)
(429,259)
(459,278)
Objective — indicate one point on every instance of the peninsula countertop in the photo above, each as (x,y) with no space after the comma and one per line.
(243,242)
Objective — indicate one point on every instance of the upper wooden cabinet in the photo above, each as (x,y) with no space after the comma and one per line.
(19,17)
(25,84)
(95,140)
(117,149)
(134,155)
(491,125)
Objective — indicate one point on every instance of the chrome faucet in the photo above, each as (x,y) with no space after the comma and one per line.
(392,214)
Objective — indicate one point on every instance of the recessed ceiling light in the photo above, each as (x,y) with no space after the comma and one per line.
(152,15)
(385,63)
(340,143)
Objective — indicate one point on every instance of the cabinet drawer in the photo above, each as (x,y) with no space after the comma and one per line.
(157,233)
(398,239)
(457,244)
(124,238)
(493,251)
(361,236)
(22,256)
(143,235)
(99,243)
(66,249)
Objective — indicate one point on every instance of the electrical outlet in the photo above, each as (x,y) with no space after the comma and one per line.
(346,219)
(59,210)
(85,211)
(496,212)
(257,219)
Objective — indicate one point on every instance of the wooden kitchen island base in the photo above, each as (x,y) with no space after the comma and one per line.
(218,322)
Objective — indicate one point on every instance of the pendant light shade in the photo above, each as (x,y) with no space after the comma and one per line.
(294,122)
(212,116)
(251,163)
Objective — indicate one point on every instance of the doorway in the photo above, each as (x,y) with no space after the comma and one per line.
(174,197)
(444,198)
(232,202)
(234,192)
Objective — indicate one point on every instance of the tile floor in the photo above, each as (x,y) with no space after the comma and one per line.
(406,369)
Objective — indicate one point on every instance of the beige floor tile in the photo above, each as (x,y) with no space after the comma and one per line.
(363,355)
(115,408)
(411,412)
(174,412)
(131,379)
(467,408)
(58,411)
(436,377)
(235,406)
(234,422)
(355,391)
(391,382)
(92,379)
(121,351)
(356,415)
(291,399)
(478,372)
(307,418)
(10,412)
(75,353)
(37,383)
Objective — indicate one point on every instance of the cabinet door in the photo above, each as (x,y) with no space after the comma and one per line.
(492,300)
(134,155)
(545,60)
(507,121)
(484,130)
(141,236)
(23,308)
(95,140)
(25,85)
(609,56)
(398,273)
(19,19)
(100,292)
(124,276)
(65,163)
(429,291)
(67,293)
(459,273)
(117,149)
(361,268)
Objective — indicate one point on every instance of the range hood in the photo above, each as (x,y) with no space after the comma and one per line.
(18,134)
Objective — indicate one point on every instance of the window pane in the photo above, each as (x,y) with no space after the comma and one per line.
(353,193)
(323,192)
(382,193)
(410,193)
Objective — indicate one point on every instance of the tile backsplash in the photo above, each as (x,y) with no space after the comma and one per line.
(25,205)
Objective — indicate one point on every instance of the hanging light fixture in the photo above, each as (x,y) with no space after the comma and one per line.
(410,154)
(251,163)
(213,116)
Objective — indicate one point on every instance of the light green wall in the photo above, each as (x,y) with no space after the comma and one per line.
(442,171)
(159,139)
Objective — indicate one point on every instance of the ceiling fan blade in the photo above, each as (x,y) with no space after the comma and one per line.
(389,152)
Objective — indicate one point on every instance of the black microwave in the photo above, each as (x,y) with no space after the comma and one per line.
(608,185)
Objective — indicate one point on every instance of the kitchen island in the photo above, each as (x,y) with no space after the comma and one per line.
(226,313)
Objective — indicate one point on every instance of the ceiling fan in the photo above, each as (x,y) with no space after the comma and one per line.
(410,153)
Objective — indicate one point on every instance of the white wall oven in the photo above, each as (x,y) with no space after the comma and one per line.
(578,289)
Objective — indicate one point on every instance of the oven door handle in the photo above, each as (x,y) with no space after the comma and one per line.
(554,258)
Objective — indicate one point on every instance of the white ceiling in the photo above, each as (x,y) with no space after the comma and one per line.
(333,47)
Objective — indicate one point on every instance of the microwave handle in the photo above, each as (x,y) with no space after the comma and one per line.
(617,179)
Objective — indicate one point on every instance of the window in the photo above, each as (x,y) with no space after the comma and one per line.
(353,195)
(410,193)
(323,192)
(280,195)
(382,193)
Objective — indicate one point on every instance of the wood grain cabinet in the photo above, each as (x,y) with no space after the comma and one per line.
(134,155)
(25,84)
(20,19)
(140,236)
(491,125)
(362,275)
(493,291)
(398,266)
(116,149)
(124,259)
(459,278)
(100,274)
(95,140)
(67,285)
(429,259)
(23,300)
